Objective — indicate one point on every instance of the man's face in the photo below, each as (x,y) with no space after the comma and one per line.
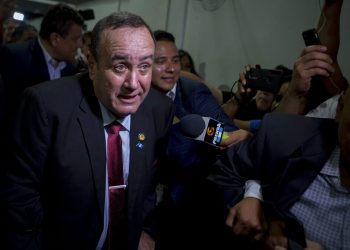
(166,68)
(122,76)
(65,48)
(185,63)
(264,100)
(9,29)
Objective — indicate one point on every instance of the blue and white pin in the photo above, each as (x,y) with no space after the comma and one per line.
(141,137)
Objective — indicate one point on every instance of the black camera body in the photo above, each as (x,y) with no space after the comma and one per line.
(269,80)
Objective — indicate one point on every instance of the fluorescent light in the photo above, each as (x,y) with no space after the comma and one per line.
(18,16)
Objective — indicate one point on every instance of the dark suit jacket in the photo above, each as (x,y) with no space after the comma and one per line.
(189,155)
(189,165)
(56,178)
(193,97)
(23,65)
(286,155)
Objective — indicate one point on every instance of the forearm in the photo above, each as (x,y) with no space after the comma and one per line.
(329,26)
(231,107)
(292,104)
(329,32)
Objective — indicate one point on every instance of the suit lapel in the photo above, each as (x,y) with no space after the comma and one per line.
(38,64)
(91,124)
(138,154)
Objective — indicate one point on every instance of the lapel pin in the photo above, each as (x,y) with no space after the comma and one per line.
(139,145)
(141,136)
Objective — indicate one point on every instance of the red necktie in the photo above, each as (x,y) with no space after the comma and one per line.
(117,209)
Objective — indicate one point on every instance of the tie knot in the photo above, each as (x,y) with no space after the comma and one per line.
(113,128)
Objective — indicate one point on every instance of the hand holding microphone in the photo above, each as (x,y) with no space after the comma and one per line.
(210,131)
(231,138)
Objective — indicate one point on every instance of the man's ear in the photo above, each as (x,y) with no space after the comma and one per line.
(340,107)
(54,39)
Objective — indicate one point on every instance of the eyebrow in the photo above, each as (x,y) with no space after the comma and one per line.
(126,57)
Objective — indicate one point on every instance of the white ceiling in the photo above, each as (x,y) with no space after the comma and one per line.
(37,8)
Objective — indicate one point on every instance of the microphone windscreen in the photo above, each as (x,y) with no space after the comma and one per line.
(192,125)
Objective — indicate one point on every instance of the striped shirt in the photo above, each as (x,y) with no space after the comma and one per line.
(324,208)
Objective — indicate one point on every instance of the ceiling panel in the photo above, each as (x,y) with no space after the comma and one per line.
(37,8)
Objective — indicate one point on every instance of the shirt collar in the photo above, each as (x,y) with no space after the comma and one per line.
(108,117)
(172,93)
(49,59)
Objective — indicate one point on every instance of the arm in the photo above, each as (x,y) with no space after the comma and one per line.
(146,242)
(313,61)
(333,83)
(240,98)
(247,218)
(329,32)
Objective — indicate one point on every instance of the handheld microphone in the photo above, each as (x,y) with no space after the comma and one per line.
(204,129)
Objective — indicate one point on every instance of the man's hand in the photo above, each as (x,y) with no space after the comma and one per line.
(243,93)
(146,242)
(275,237)
(246,218)
(234,137)
(313,61)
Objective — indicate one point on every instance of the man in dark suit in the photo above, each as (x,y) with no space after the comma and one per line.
(56,179)
(303,165)
(44,58)
(190,160)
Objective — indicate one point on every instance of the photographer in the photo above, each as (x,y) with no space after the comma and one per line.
(250,104)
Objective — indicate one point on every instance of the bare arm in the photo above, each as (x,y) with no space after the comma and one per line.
(329,32)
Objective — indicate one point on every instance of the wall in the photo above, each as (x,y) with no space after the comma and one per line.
(240,32)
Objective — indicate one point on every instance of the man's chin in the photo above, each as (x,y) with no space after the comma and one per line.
(125,110)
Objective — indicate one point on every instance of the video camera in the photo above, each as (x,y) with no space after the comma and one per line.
(268,80)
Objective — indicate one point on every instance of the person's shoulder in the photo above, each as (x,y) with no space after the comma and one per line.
(188,82)
(17,54)
(156,98)
(189,86)
(64,87)
(156,107)
(19,46)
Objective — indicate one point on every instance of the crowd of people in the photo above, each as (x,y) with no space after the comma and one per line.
(95,157)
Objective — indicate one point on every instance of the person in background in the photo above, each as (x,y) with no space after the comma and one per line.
(317,60)
(85,49)
(75,135)
(248,106)
(84,53)
(44,58)
(182,208)
(305,180)
(188,70)
(303,99)
(7,8)
(6,11)
(187,63)
(9,27)
(24,32)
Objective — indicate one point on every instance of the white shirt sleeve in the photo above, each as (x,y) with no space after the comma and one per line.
(253,189)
